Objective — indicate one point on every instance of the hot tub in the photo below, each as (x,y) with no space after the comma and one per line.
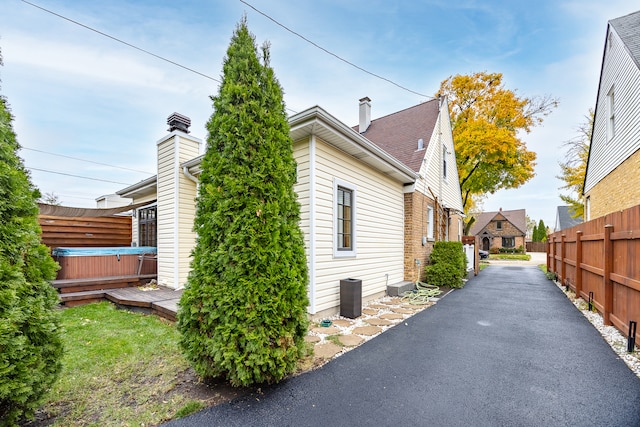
(83,263)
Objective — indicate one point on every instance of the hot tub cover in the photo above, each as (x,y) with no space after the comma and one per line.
(125,250)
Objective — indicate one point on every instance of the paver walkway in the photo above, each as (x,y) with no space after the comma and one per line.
(507,350)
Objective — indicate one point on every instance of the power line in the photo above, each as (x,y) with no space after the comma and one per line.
(121,41)
(333,54)
(128,44)
(84,160)
(77,176)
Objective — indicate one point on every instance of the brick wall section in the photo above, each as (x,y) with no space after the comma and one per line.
(617,191)
(415,226)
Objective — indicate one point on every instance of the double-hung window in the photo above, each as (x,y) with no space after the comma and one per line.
(344,220)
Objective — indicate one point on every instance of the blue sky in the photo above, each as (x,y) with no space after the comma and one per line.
(80,94)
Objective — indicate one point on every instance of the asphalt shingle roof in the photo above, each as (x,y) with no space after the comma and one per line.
(628,28)
(516,217)
(398,133)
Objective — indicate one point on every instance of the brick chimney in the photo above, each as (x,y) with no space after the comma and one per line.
(365,114)
(178,122)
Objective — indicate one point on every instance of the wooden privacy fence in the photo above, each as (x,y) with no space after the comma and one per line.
(60,231)
(536,246)
(600,260)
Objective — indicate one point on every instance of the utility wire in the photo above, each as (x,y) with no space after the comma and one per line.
(121,41)
(84,160)
(76,176)
(333,54)
(128,44)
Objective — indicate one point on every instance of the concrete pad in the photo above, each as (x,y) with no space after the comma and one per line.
(367,330)
(326,350)
(393,301)
(400,288)
(350,340)
(370,311)
(311,339)
(378,306)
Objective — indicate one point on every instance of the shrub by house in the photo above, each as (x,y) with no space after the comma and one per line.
(447,266)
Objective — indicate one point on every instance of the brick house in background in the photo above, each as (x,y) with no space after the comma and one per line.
(501,230)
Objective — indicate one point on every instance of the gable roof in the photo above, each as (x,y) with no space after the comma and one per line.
(564,219)
(627,28)
(398,133)
(516,217)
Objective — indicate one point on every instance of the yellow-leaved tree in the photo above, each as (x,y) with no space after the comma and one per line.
(574,167)
(486,118)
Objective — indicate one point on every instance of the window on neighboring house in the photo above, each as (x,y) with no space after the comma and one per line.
(444,162)
(611,114)
(345,220)
(430,222)
(147,226)
(508,242)
(498,225)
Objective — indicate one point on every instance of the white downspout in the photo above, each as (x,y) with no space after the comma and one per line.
(185,171)
(312,224)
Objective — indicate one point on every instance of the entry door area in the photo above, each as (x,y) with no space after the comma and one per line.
(485,243)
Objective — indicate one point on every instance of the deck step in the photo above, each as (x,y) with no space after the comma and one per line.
(98,283)
(72,299)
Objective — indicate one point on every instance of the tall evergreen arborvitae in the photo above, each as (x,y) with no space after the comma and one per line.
(243,312)
(30,344)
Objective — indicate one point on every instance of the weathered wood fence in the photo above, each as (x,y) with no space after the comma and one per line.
(600,260)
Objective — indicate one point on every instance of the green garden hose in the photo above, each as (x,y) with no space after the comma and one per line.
(422,294)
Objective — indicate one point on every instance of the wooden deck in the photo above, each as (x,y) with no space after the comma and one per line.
(162,301)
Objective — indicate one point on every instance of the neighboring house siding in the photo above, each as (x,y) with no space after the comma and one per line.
(606,157)
(379,228)
(617,191)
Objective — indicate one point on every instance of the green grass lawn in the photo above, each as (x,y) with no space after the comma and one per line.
(516,257)
(119,368)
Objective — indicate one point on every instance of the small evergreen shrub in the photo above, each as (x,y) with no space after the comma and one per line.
(448,265)
(30,342)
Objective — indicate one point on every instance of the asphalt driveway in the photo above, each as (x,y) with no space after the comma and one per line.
(509,349)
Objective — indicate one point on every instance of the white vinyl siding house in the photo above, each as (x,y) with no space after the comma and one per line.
(377,258)
(362,237)
(612,180)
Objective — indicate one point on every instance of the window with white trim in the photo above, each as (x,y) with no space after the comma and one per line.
(344,219)
(444,162)
(611,114)
(430,222)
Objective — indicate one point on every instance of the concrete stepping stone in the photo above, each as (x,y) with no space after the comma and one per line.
(311,339)
(326,331)
(378,322)
(326,350)
(392,316)
(378,306)
(393,301)
(350,340)
(401,310)
(370,311)
(343,323)
(367,330)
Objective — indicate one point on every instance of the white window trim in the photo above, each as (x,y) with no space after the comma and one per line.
(430,223)
(611,114)
(354,202)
